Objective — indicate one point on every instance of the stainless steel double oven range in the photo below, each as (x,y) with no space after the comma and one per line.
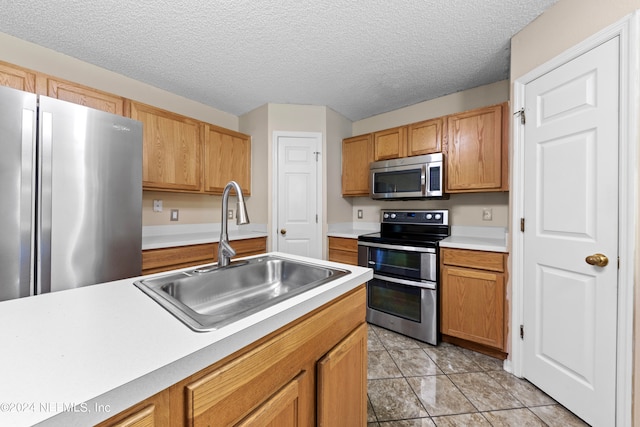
(404,256)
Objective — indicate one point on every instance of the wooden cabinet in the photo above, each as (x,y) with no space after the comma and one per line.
(343,250)
(292,378)
(152,412)
(312,371)
(390,143)
(425,137)
(357,154)
(473,299)
(227,156)
(342,387)
(83,95)
(164,259)
(477,150)
(172,147)
(17,77)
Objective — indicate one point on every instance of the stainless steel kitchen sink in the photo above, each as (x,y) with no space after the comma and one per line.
(209,298)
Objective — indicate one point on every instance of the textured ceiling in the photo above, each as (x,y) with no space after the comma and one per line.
(358,57)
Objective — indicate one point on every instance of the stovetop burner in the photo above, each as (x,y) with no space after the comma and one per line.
(421,228)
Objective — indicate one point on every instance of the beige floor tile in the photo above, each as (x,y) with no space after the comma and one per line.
(419,422)
(558,416)
(371,416)
(440,396)
(451,359)
(513,418)
(381,365)
(486,363)
(522,389)
(462,420)
(484,392)
(393,399)
(414,362)
(373,342)
(394,341)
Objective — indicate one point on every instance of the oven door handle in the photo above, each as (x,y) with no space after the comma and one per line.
(398,247)
(425,285)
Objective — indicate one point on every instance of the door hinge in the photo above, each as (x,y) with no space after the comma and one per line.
(522,224)
(523,118)
(521,332)
(317,153)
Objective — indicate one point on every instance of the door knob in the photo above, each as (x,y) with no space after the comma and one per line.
(597,259)
(283,231)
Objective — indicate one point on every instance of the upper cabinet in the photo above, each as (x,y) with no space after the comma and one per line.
(357,153)
(86,96)
(171,150)
(390,143)
(17,78)
(425,137)
(227,156)
(477,150)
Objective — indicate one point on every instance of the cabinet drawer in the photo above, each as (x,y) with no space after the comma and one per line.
(343,244)
(246,247)
(162,259)
(344,257)
(492,261)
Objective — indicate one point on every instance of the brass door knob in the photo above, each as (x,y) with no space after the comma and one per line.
(283,231)
(599,260)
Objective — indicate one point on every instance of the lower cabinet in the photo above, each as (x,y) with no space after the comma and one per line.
(310,372)
(343,250)
(164,259)
(473,299)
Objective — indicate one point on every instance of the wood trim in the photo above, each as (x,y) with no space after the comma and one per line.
(492,261)
(17,77)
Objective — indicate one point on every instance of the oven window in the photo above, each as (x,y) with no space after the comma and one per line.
(398,182)
(399,263)
(395,299)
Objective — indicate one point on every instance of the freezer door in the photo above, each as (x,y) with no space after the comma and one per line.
(17,145)
(90,210)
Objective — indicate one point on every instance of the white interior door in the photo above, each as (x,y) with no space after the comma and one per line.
(571,212)
(297,216)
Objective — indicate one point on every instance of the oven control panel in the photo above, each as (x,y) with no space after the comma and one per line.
(436,217)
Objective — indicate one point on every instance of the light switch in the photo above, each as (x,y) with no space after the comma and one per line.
(359,213)
(174,215)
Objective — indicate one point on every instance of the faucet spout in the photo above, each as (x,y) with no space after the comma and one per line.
(225,251)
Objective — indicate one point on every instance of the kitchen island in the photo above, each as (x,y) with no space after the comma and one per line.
(82,356)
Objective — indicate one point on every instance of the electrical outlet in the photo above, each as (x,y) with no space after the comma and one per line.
(230,214)
(174,215)
(359,213)
(487,214)
(157,205)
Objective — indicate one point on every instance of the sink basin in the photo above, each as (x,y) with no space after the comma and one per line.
(210,298)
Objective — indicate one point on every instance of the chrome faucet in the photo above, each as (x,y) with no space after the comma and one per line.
(225,251)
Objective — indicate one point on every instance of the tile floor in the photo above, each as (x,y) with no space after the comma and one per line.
(414,384)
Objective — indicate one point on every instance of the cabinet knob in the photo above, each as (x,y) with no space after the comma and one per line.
(599,260)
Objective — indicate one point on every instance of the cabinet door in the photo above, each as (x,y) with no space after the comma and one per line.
(343,250)
(390,143)
(227,156)
(17,78)
(357,154)
(342,382)
(281,410)
(152,412)
(473,305)
(86,96)
(425,137)
(171,149)
(476,151)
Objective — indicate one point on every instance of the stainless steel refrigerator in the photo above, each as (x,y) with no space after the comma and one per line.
(70,195)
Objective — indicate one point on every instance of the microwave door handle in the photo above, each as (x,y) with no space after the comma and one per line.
(423,179)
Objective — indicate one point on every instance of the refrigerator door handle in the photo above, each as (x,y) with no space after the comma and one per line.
(27,197)
(43,239)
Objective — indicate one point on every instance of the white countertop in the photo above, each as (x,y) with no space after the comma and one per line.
(492,239)
(351,230)
(105,347)
(166,236)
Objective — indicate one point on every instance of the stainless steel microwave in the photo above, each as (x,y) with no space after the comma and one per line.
(417,177)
